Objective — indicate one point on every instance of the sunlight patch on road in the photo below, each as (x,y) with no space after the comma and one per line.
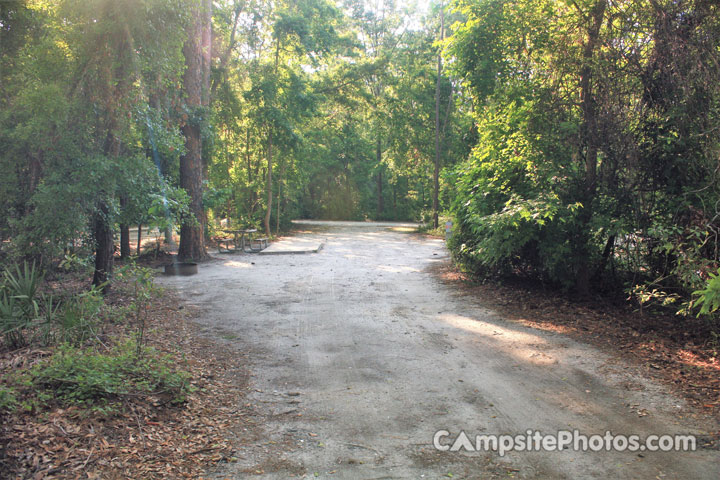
(236,264)
(397,269)
(524,346)
(403,229)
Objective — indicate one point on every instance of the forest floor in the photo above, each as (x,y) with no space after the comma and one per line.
(360,353)
(145,437)
(344,363)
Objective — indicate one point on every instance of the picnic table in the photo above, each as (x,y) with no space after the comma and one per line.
(242,239)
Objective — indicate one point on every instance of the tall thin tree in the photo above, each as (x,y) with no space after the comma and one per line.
(436,172)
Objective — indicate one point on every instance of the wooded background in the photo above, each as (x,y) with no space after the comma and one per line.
(574,142)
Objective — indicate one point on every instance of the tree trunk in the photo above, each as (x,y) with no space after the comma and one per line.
(436,172)
(248,160)
(124,232)
(192,239)
(196,82)
(378,159)
(268,212)
(169,241)
(138,250)
(279,196)
(124,241)
(101,227)
(104,245)
(609,248)
(205,16)
(589,140)
(35,174)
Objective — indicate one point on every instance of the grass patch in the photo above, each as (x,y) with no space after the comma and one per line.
(85,377)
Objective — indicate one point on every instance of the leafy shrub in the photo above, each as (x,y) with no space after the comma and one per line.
(8,399)
(19,308)
(709,297)
(138,283)
(89,378)
(76,319)
(518,207)
(72,262)
(22,308)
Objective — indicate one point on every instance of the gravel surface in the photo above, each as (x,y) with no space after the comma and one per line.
(360,355)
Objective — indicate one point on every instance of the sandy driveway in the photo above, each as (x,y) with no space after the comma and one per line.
(360,356)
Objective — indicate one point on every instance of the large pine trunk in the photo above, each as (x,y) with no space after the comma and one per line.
(192,239)
(196,83)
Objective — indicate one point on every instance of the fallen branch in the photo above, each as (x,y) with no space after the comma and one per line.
(356,445)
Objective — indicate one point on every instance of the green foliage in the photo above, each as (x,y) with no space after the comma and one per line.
(76,320)
(514,207)
(8,398)
(139,283)
(147,198)
(87,110)
(76,376)
(593,166)
(578,146)
(24,311)
(72,262)
(709,298)
(19,305)
(348,98)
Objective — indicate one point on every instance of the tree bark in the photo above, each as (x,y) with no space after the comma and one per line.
(138,250)
(609,248)
(192,238)
(268,212)
(196,83)
(205,16)
(169,241)
(279,196)
(124,241)
(436,172)
(380,199)
(124,232)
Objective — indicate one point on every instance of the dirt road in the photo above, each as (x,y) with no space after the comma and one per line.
(361,356)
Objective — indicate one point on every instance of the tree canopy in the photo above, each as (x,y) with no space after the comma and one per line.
(575,140)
